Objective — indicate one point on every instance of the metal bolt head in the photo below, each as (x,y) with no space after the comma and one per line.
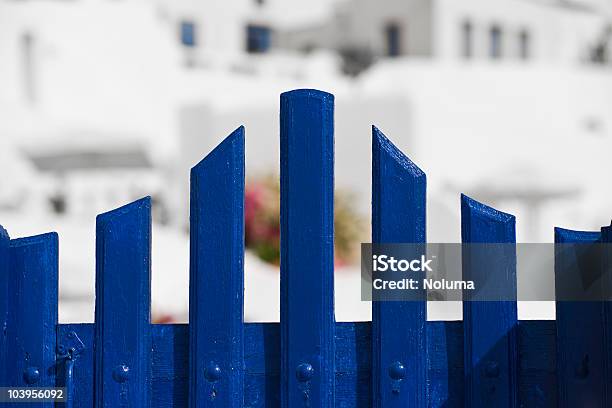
(31,375)
(121,373)
(212,372)
(304,372)
(397,371)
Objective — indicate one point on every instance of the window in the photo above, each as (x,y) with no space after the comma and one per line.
(258,39)
(524,45)
(495,50)
(393,38)
(27,44)
(260,2)
(467,33)
(188,33)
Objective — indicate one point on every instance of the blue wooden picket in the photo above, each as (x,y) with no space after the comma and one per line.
(123,306)
(216,277)
(32,317)
(4,304)
(399,353)
(489,327)
(307,249)
(606,239)
(489,359)
(581,341)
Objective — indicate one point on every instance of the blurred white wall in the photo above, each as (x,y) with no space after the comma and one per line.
(100,65)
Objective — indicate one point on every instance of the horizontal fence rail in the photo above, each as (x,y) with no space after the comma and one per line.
(490,359)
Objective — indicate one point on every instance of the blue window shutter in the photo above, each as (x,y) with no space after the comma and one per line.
(259,39)
(188,33)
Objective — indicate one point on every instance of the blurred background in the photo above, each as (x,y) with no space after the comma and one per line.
(105,101)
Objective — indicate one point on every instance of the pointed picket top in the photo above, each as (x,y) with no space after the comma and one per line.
(234,141)
(564,235)
(386,149)
(44,237)
(3,233)
(399,334)
(397,184)
(123,306)
(216,277)
(483,210)
(489,328)
(4,238)
(135,207)
(478,219)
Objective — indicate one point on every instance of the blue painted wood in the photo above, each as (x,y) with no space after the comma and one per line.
(83,367)
(217,277)
(399,354)
(170,364)
(307,249)
(123,299)
(581,351)
(490,345)
(4,303)
(606,239)
(537,364)
(32,312)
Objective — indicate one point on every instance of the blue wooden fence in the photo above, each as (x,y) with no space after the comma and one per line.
(308,360)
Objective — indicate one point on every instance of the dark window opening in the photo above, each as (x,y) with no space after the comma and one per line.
(59,204)
(495,50)
(393,34)
(467,39)
(524,45)
(260,2)
(599,51)
(258,39)
(188,33)
(599,54)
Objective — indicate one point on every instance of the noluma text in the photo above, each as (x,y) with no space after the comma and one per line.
(428,284)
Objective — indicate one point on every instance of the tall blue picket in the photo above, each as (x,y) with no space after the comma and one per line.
(4,303)
(307,249)
(216,364)
(490,343)
(581,328)
(123,306)
(399,347)
(32,317)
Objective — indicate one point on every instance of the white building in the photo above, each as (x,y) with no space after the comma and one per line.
(177,76)
(554,31)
